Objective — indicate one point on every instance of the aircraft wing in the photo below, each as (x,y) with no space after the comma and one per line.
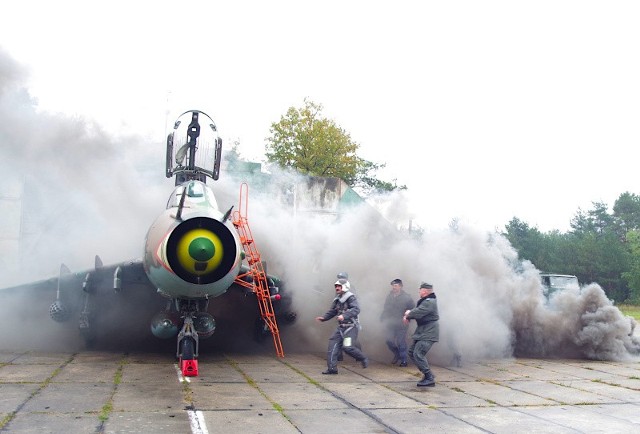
(116,300)
(124,276)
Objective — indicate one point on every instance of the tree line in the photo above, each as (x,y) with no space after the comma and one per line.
(600,247)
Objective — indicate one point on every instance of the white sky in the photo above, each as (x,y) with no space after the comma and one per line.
(486,110)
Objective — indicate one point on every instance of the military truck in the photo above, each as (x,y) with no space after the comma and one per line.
(557,282)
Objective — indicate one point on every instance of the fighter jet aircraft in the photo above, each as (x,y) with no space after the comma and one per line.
(193,253)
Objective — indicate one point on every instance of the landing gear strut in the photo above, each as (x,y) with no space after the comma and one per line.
(187,349)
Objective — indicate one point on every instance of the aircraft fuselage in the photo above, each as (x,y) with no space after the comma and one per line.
(191,250)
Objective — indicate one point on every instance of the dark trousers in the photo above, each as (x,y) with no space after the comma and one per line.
(418,353)
(397,342)
(336,346)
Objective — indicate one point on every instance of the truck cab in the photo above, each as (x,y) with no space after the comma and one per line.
(557,282)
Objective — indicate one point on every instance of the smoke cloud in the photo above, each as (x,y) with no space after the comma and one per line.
(491,304)
(71,191)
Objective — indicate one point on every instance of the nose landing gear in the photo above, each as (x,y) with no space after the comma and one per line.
(187,350)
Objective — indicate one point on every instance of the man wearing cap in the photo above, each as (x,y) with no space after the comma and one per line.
(345,309)
(427,332)
(395,305)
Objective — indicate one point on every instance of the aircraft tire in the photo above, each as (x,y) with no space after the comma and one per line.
(187,349)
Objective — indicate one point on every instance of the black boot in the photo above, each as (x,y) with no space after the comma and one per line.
(330,372)
(427,381)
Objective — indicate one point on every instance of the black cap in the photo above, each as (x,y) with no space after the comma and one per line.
(396,281)
(426,285)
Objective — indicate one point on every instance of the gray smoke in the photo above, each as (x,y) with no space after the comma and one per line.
(491,304)
(70,191)
(68,187)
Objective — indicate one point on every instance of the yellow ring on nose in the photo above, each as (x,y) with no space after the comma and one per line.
(193,265)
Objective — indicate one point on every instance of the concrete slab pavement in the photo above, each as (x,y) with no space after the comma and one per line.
(102,392)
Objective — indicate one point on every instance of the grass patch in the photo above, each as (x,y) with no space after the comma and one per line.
(105,412)
(255,385)
(309,379)
(107,408)
(631,310)
(117,379)
(7,419)
(187,392)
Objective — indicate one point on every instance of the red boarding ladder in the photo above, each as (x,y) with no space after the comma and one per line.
(256,270)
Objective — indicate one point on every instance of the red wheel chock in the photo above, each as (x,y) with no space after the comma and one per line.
(189,368)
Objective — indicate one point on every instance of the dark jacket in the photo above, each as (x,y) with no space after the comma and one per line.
(394,308)
(345,305)
(426,316)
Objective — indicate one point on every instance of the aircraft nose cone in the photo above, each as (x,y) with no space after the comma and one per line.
(201,249)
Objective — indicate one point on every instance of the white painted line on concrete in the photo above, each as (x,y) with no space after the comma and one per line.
(196,418)
(181,378)
(198,425)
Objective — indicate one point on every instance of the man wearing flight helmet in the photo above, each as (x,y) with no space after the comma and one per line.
(345,309)
(343,277)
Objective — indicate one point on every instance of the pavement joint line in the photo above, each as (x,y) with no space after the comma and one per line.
(571,386)
(515,407)
(10,362)
(344,401)
(495,404)
(526,392)
(8,418)
(517,410)
(253,384)
(107,408)
(445,412)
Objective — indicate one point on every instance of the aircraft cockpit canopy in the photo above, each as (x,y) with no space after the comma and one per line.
(194,148)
